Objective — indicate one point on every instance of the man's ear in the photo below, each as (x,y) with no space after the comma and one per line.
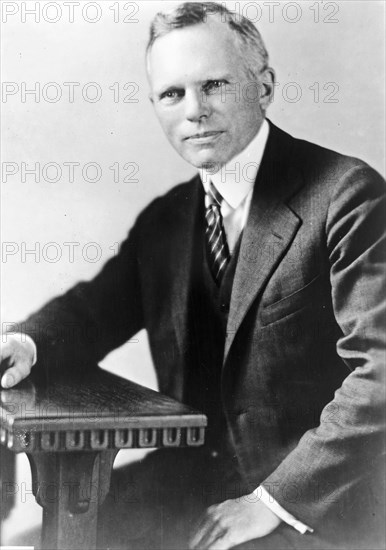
(267,87)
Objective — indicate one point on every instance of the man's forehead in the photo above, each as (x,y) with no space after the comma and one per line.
(213,26)
(192,51)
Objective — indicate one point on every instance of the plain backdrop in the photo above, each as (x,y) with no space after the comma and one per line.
(329,61)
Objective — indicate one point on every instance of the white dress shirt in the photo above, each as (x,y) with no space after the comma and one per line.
(235,181)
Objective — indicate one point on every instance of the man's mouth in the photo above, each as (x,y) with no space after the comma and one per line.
(204,136)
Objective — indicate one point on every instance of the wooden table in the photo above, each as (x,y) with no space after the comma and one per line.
(72,430)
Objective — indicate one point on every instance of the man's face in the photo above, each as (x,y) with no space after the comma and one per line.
(206,105)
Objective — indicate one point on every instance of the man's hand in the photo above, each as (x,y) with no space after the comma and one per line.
(16,359)
(233,522)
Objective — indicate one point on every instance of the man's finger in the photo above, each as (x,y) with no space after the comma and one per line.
(14,375)
(208,534)
(211,541)
(198,531)
(222,542)
(5,351)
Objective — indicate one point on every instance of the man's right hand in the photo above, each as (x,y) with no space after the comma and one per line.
(17,356)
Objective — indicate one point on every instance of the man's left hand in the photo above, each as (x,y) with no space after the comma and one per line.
(233,522)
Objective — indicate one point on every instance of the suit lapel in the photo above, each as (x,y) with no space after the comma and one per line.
(270,228)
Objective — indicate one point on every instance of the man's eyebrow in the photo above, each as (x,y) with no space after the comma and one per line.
(226,76)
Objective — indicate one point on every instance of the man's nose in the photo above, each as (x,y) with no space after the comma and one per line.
(196,106)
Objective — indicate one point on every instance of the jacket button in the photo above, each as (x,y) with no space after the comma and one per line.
(214,454)
(224,307)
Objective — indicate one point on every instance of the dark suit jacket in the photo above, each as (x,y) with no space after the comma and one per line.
(303,368)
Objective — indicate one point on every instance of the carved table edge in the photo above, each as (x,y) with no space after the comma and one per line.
(30,440)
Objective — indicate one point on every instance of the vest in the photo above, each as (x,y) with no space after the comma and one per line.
(207,321)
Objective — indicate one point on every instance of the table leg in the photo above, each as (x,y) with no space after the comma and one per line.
(70,487)
(7,482)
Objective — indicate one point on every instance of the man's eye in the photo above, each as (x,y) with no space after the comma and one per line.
(171,96)
(213,86)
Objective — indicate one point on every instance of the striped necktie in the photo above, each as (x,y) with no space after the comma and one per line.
(217,247)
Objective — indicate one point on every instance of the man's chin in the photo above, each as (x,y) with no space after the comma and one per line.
(205,160)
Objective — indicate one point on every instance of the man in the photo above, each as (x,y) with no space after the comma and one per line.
(263,298)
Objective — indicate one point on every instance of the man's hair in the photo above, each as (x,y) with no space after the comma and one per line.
(188,14)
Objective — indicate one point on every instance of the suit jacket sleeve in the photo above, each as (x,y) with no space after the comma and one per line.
(349,441)
(80,327)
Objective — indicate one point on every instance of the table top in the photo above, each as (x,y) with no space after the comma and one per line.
(99,411)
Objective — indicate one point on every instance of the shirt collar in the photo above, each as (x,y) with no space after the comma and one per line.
(235,179)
